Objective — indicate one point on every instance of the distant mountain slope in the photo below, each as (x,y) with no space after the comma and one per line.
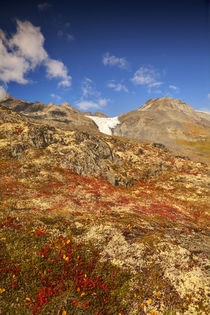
(168,121)
(204,115)
(61,115)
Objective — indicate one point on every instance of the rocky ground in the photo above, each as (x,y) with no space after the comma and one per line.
(94,224)
(165,120)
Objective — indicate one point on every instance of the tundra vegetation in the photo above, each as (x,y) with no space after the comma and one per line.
(77,244)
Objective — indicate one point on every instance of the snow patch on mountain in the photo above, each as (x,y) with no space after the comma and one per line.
(105,125)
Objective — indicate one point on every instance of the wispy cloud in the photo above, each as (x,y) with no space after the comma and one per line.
(147,76)
(55,96)
(60,33)
(44,6)
(2,92)
(109,60)
(117,86)
(88,88)
(86,105)
(23,52)
(63,31)
(91,98)
(70,37)
(209,96)
(174,87)
(67,24)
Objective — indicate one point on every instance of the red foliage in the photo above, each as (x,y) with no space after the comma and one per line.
(74,268)
(18,131)
(40,233)
(10,222)
(166,211)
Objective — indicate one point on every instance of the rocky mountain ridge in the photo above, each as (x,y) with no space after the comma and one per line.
(51,111)
(165,104)
(59,115)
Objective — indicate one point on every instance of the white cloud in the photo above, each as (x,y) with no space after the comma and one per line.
(103,101)
(91,97)
(56,69)
(44,6)
(68,36)
(57,97)
(155,84)
(23,52)
(209,96)
(28,43)
(174,87)
(88,88)
(85,104)
(147,76)
(117,86)
(2,92)
(2,35)
(12,66)
(109,60)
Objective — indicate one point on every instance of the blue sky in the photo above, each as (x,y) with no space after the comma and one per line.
(108,56)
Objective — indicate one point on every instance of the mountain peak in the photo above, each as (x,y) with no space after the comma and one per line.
(165,104)
(65,104)
(98,114)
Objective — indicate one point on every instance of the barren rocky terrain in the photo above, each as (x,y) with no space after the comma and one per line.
(168,121)
(98,224)
(165,120)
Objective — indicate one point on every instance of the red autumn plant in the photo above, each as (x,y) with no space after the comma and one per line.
(67,265)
